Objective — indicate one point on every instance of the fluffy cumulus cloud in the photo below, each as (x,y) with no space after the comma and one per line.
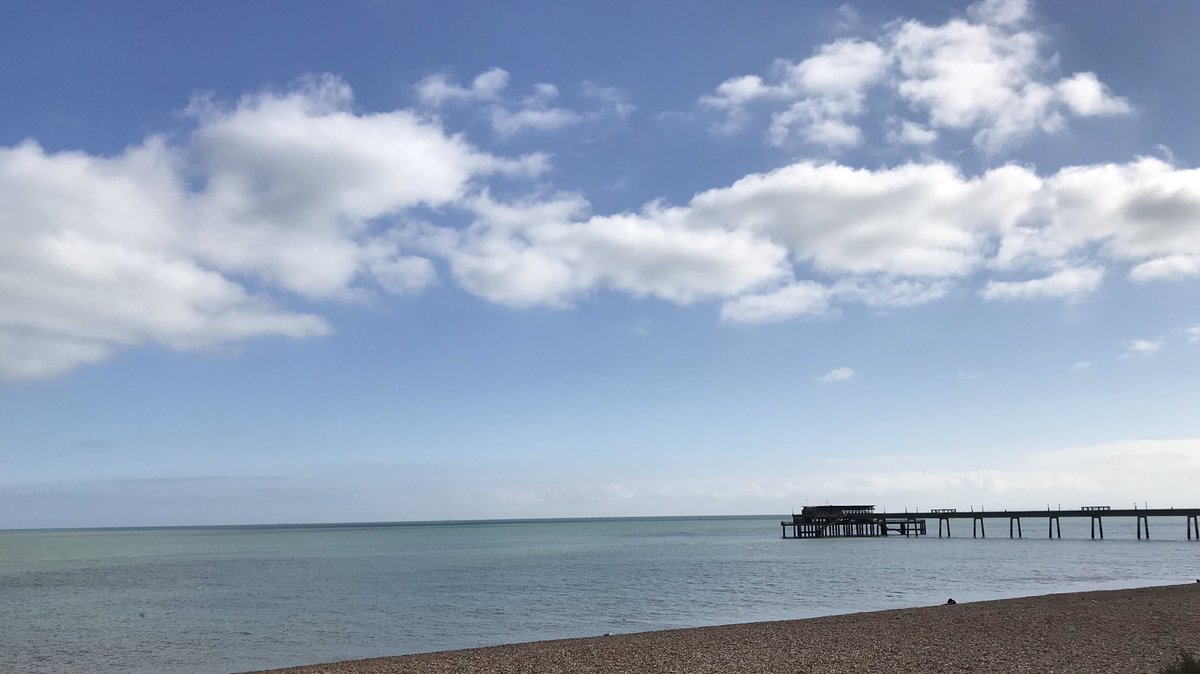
(821,93)
(884,238)
(284,199)
(293,179)
(987,73)
(536,111)
(96,257)
(920,220)
(203,243)
(809,236)
(1145,212)
(294,196)
(550,251)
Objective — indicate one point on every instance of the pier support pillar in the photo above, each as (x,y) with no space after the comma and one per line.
(1017,520)
(1097,520)
(1055,524)
(1143,521)
(947,521)
(978,522)
(1193,522)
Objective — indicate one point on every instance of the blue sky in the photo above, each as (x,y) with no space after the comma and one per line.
(288,262)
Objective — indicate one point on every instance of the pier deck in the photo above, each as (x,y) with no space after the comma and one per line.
(833,521)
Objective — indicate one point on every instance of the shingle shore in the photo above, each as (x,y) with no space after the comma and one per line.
(1126,631)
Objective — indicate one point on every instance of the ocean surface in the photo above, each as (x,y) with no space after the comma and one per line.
(225,599)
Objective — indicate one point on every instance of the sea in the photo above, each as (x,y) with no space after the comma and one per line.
(232,599)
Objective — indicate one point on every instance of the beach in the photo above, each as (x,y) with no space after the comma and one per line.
(1136,630)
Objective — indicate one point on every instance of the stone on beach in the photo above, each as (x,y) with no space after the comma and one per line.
(1139,630)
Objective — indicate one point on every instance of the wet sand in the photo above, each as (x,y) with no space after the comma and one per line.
(1124,631)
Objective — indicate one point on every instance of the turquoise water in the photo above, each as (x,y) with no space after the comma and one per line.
(225,599)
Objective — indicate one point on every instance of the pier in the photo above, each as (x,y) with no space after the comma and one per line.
(861,521)
(850,521)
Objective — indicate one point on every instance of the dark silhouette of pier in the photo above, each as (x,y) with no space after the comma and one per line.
(858,521)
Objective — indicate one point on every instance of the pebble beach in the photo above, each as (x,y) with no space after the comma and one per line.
(1128,631)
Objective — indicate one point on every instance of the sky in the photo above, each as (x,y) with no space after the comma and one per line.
(311,262)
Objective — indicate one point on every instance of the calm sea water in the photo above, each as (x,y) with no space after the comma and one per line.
(228,599)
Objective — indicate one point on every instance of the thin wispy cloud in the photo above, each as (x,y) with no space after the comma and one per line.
(1141,348)
(837,374)
(1062,284)
(538,110)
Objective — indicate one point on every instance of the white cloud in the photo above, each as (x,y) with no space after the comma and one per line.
(394,271)
(837,374)
(805,237)
(999,12)
(291,180)
(911,133)
(1145,211)
(921,220)
(890,237)
(436,90)
(1167,268)
(611,100)
(1139,348)
(1087,96)
(1065,283)
(536,111)
(822,92)
(287,195)
(1194,334)
(883,291)
(801,298)
(507,123)
(986,72)
(846,19)
(795,299)
(732,97)
(1081,365)
(96,258)
(550,251)
(106,253)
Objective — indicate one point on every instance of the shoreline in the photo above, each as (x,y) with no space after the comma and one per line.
(1129,630)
